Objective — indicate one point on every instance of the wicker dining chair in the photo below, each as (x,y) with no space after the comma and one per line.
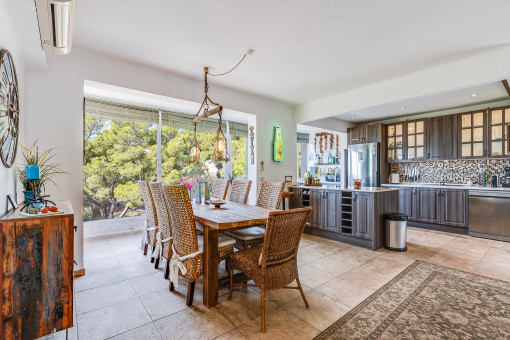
(270,196)
(220,188)
(163,247)
(187,244)
(240,191)
(273,265)
(151,221)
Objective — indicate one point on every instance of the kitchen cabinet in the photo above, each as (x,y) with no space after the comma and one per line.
(442,138)
(447,207)
(395,141)
(317,213)
(472,135)
(407,202)
(363,223)
(366,133)
(414,146)
(296,201)
(333,211)
(498,131)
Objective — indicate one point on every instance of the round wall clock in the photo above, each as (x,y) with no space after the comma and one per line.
(9,109)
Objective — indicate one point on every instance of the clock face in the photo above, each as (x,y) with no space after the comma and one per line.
(9,109)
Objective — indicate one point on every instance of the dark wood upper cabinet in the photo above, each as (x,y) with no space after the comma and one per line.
(473,134)
(442,138)
(365,133)
(373,133)
(498,126)
(355,136)
(395,141)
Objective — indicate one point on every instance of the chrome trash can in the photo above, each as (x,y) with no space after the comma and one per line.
(395,232)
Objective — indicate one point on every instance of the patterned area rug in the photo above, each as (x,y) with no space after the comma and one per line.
(428,301)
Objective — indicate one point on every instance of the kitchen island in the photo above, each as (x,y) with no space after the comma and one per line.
(354,216)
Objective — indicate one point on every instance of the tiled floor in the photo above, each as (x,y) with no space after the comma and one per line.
(122,296)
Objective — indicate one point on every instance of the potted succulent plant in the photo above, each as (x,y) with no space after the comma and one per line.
(32,156)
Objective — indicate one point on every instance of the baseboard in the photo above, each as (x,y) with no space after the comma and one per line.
(79,272)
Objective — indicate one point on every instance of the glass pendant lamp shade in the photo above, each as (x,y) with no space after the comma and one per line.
(194,149)
(220,145)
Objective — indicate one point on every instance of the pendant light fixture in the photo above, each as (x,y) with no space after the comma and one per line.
(220,141)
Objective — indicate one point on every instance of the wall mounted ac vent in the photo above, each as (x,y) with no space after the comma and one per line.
(56,20)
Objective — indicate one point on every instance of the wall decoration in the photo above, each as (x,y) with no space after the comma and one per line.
(9,109)
(252,146)
(288,179)
(278,145)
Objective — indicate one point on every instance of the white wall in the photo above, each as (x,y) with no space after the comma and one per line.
(55,113)
(8,179)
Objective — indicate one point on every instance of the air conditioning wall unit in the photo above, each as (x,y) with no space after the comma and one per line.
(56,20)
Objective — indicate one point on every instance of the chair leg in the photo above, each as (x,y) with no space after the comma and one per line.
(301,291)
(145,249)
(152,258)
(227,263)
(167,269)
(231,274)
(156,264)
(263,311)
(172,288)
(191,291)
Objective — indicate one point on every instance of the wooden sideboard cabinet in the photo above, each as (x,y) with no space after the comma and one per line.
(37,255)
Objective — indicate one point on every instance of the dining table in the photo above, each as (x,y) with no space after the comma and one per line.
(229,216)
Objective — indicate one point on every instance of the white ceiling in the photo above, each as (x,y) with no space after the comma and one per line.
(458,98)
(304,50)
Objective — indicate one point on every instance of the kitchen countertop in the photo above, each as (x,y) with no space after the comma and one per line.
(447,186)
(342,188)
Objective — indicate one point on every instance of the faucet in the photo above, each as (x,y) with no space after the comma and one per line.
(441,180)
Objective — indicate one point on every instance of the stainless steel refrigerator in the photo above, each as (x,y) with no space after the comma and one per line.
(363,164)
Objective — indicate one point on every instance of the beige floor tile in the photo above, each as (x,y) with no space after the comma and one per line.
(232,335)
(498,254)
(112,320)
(494,270)
(195,322)
(282,296)
(149,283)
(436,239)
(316,251)
(501,245)
(454,262)
(345,292)
(366,277)
(391,263)
(471,243)
(136,269)
(145,332)
(133,257)
(323,310)
(420,251)
(465,254)
(243,307)
(335,264)
(280,325)
(162,303)
(99,278)
(124,249)
(313,277)
(412,233)
(104,296)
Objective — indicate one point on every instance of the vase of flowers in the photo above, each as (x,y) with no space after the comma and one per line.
(190,181)
(47,169)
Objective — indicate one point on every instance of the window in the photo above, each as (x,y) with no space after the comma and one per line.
(121,146)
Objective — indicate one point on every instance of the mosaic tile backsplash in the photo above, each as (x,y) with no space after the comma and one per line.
(459,171)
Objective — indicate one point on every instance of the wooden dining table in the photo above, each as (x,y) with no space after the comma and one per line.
(229,216)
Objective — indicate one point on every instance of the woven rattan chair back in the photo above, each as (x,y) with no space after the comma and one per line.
(283,233)
(163,215)
(219,188)
(270,194)
(182,220)
(240,191)
(148,202)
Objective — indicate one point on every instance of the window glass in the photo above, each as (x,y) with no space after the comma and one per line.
(497,149)
(466,150)
(478,119)
(497,117)
(466,135)
(410,140)
(411,128)
(420,139)
(478,149)
(420,126)
(478,134)
(466,120)
(497,132)
(420,152)
(398,129)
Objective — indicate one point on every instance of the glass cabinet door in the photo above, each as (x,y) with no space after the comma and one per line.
(415,140)
(499,122)
(473,134)
(395,139)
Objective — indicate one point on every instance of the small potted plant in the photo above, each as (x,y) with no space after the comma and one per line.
(32,156)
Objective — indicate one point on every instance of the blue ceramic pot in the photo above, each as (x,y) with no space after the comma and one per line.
(29,195)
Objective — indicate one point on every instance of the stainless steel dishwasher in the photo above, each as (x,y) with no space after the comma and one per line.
(489,214)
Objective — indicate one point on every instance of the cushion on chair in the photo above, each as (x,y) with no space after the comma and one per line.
(248,234)
(223,241)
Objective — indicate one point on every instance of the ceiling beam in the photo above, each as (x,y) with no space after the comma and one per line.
(507,87)
(481,68)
